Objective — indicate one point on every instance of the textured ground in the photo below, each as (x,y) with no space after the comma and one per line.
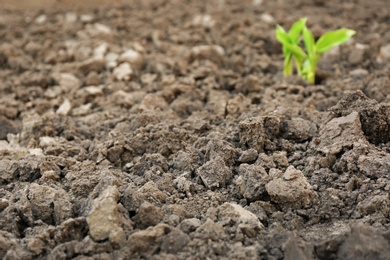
(165,130)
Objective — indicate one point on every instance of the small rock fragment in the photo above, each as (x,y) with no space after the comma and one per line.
(148,215)
(86,18)
(49,204)
(41,19)
(384,53)
(214,53)
(111,60)
(358,73)
(205,21)
(4,203)
(105,220)
(36,245)
(71,17)
(245,221)
(214,173)
(224,149)
(132,57)
(373,204)
(174,241)
(98,29)
(67,80)
(374,164)
(292,189)
(237,105)
(7,241)
(153,102)
(251,181)
(210,230)
(182,184)
(150,192)
(372,116)
(257,2)
(92,64)
(340,133)
(6,127)
(123,72)
(144,240)
(248,156)
(297,248)
(189,225)
(217,102)
(299,129)
(252,133)
(356,56)
(364,243)
(65,108)
(267,18)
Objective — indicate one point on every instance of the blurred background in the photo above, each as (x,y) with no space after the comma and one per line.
(24,4)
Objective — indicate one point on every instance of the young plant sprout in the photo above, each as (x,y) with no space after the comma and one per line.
(306,61)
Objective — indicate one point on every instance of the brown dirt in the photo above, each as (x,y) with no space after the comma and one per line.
(165,130)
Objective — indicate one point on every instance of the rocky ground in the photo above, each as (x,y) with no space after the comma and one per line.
(164,129)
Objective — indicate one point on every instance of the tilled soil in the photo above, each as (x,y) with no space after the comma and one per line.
(165,130)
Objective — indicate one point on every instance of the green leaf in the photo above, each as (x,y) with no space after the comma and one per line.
(331,39)
(288,66)
(309,41)
(288,45)
(282,36)
(297,52)
(296,30)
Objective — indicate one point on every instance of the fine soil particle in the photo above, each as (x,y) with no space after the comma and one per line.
(165,130)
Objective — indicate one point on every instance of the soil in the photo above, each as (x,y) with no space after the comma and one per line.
(165,130)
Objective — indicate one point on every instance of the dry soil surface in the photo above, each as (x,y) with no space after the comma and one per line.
(164,129)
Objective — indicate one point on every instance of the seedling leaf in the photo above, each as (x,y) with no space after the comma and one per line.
(309,41)
(282,36)
(331,39)
(296,29)
(288,65)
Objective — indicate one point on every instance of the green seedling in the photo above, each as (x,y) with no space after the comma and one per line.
(306,61)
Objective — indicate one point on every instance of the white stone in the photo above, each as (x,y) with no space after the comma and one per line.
(92,90)
(101,28)
(100,50)
(82,110)
(384,54)
(111,60)
(205,21)
(197,50)
(105,220)
(71,17)
(133,57)
(45,141)
(86,18)
(67,80)
(123,72)
(65,108)
(359,73)
(130,56)
(41,19)
(246,222)
(35,151)
(239,214)
(267,18)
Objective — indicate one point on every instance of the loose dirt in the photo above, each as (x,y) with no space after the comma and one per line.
(165,130)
